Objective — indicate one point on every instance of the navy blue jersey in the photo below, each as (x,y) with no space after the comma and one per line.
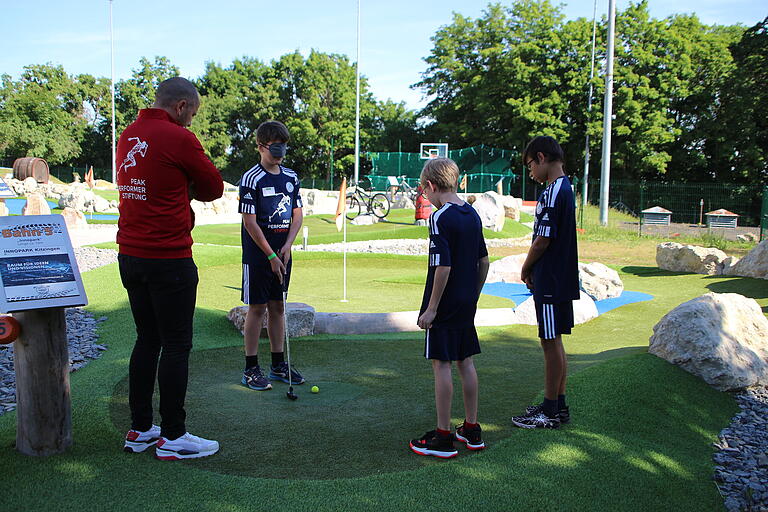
(272,198)
(456,241)
(556,273)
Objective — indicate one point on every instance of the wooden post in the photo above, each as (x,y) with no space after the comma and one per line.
(41,361)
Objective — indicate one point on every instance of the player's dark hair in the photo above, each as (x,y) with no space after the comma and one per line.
(543,144)
(270,131)
(175,89)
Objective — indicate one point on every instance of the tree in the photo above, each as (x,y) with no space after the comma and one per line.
(745,99)
(42,114)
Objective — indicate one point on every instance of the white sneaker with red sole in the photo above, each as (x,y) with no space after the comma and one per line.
(137,441)
(185,447)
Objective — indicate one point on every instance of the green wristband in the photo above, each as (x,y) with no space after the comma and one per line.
(271,256)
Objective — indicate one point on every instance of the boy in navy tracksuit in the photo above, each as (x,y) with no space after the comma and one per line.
(551,272)
(271,207)
(458,265)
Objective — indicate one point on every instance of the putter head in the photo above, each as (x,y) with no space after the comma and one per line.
(291,395)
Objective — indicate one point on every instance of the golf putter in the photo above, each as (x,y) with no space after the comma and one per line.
(290,394)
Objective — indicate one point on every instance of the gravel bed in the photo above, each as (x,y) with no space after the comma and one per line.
(82,339)
(407,246)
(741,464)
(89,258)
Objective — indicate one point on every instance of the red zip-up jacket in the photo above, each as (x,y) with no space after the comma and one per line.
(157,161)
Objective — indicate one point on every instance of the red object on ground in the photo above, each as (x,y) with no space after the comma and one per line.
(9,329)
(423,206)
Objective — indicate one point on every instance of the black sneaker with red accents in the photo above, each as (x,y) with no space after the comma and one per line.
(435,445)
(564,414)
(539,420)
(471,437)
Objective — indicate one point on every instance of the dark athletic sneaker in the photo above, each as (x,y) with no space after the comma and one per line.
(539,420)
(137,441)
(432,444)
(564,413)
(280,372)
(470,437)
(254,379)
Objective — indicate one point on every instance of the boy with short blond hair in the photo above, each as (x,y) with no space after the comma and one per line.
(271,207)
(458,265)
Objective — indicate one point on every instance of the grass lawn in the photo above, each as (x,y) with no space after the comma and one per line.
(322,230)
(640,438)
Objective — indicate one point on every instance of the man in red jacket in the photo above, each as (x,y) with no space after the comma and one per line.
(161,166)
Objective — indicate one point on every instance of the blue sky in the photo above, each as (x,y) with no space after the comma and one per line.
(395,33)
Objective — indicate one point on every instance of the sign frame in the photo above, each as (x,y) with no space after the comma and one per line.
(38,268)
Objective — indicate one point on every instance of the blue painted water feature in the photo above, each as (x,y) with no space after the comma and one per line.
(16,204)
(518,292)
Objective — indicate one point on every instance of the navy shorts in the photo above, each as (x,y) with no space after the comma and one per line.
(447,344)
(261,285)
(554,319)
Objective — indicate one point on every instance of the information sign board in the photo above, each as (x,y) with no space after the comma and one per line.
(37,264)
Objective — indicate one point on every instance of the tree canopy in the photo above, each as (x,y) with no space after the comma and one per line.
(689,99)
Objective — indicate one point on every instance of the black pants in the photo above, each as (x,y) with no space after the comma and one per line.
(162,294)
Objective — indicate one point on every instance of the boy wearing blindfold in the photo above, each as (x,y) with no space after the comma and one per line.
(270,204)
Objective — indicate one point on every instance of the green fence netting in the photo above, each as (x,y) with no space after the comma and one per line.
(483,165)
(684,200)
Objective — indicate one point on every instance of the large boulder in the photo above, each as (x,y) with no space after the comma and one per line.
(317,201)
(30,185)
(512,207)
(490,208)
(690,258)
(754,264)
(599,281)
(402,201)
(75,219)
(36,205)
(506,270)
(300,318)
(584,310)
(225,205)
(100,204)
(364,220)
(719,337)
(76,197)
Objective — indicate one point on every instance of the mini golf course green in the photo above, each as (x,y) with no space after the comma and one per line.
(640,438)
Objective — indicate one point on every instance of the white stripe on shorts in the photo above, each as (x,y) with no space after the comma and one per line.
(551,320)
(246,283)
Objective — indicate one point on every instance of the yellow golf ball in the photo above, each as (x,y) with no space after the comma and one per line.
(315,389)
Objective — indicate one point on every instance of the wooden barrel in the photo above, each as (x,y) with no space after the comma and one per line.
(28,166)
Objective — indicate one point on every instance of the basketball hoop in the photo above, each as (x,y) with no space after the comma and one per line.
(431,150)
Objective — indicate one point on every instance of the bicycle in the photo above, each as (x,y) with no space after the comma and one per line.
(375,203)
(410,192)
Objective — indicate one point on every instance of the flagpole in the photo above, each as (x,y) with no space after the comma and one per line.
(357,101)
(344,249)
(605,175)
(112,90)
(584,186)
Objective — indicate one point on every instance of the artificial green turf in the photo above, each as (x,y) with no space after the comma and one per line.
(322,230)
(640,438)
